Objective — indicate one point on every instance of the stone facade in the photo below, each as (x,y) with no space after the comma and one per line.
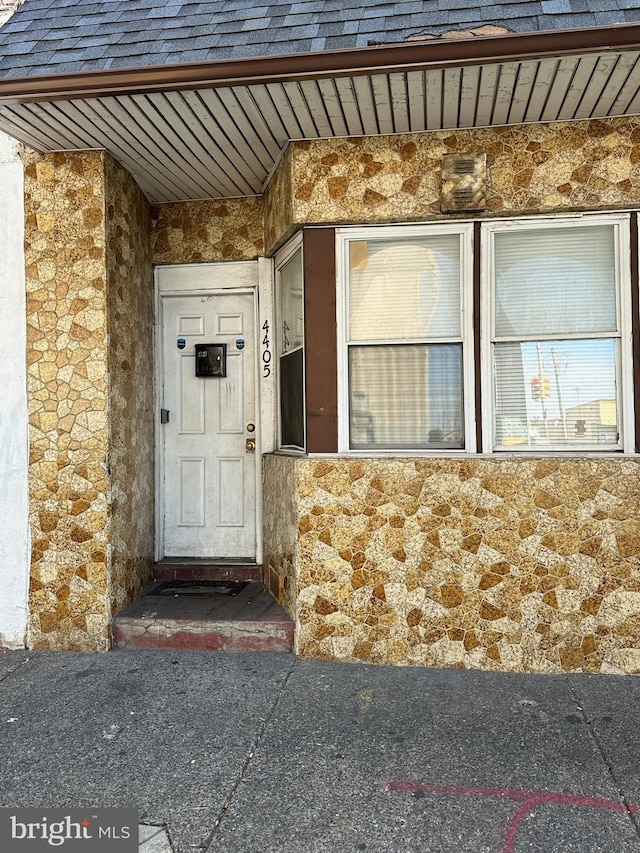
(279,221)
(507,564)
(194,232)
(130,322)
(78,268)
(534,168)
(280,526)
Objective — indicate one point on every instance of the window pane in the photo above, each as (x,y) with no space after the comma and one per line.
(406,397)
(556,393)
(555,281)
(404,289)
(291,311)
(291,400)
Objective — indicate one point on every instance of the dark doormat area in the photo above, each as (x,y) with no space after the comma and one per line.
(217,588)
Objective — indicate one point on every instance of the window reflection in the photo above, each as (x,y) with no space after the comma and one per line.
(556,393)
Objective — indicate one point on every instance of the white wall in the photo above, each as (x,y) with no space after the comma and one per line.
(14,497)
(7,8)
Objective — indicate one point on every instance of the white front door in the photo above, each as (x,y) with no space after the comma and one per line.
(209,493)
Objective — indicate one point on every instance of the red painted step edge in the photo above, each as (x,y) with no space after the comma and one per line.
(239,637)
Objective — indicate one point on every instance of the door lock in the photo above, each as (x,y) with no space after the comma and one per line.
(250,445)
(251,427)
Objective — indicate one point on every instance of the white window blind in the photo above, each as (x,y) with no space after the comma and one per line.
(554,282)
(404,289)
(556,342)
(407,396)
(405,348)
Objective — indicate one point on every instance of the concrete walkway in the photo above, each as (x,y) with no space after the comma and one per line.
(253,753)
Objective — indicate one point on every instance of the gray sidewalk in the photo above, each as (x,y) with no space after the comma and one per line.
(252,753)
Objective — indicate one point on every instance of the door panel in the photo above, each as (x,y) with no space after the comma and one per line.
(192,495)
(209,474)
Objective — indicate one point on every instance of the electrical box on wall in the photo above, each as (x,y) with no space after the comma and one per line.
(211,359)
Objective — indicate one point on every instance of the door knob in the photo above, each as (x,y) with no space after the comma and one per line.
(250,445)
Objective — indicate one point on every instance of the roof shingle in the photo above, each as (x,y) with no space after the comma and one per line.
(51,36)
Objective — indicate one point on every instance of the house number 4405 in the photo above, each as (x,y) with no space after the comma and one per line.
(266,351)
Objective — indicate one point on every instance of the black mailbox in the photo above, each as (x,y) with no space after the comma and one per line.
(211,359)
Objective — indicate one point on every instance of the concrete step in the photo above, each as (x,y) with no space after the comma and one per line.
(204,616)
(178,568)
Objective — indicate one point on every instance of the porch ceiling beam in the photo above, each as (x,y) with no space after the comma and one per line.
(431,54)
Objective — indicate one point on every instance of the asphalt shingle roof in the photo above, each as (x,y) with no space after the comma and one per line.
(56,36)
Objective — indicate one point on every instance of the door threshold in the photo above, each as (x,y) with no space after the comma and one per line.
(206,561)
(213,569)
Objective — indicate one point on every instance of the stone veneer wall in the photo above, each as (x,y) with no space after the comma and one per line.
(130,322)
(506,564)
(280,528)
(534,168)
(75,268)
(198,231)
(279,223)
(88,555)
(67,384)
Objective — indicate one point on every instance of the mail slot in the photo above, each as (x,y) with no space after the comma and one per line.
(211,359)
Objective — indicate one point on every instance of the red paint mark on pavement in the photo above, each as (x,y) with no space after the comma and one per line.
(528,800)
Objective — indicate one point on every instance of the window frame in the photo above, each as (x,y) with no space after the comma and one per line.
(344,237)
(281,259)
(623,334)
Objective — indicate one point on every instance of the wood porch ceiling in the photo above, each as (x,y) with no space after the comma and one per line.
(223,140)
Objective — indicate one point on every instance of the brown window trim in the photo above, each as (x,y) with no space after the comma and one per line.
(477,232)
(321,340)
(635,324)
